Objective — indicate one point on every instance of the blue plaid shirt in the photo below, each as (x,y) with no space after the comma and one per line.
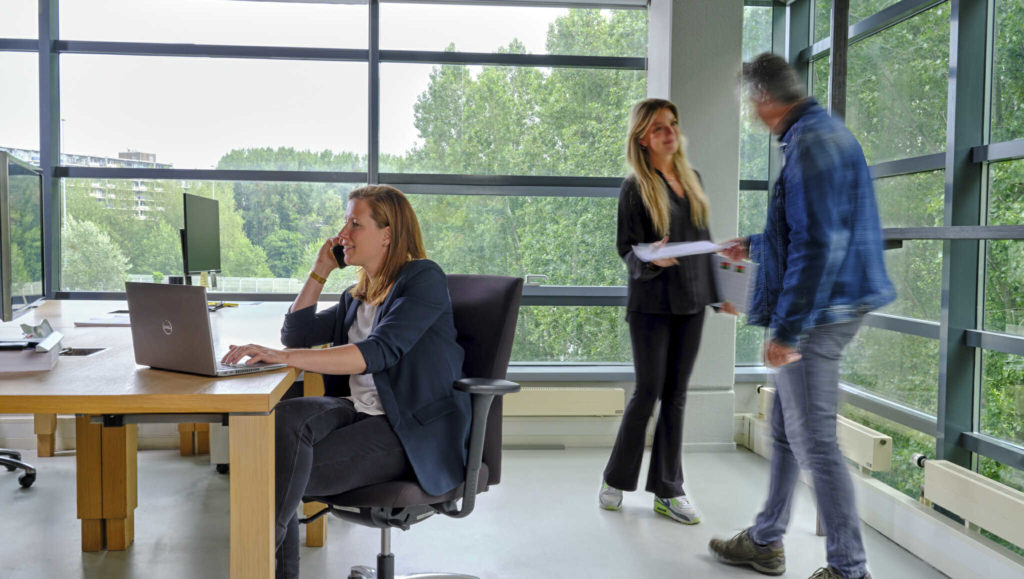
(820,254)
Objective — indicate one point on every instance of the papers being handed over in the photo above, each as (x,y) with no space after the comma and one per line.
(653,251)
(734,280)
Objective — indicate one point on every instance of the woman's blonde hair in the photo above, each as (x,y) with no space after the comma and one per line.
(652,190)
(388,208)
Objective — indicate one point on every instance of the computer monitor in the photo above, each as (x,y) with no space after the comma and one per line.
(21,236)
(201,235)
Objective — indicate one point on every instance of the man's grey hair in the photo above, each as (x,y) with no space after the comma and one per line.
(770,77)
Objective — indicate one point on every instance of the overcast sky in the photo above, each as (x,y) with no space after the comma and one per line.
(190,111)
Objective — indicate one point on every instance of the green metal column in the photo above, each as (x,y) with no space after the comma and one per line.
(837,58)
(958,364)
(791,33)
(49,139)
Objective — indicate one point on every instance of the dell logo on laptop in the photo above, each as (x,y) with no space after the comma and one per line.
(168,328)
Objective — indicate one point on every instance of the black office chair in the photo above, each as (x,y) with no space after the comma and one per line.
(486,308)
(12,460)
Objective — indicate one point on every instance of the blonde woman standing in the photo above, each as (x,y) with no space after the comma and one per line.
(661,200)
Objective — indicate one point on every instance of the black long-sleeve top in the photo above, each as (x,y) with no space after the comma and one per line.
(680,289)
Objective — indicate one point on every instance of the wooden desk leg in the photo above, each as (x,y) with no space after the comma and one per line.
(88,472)
(106,471)
(120,484)
(46,434)
(185,432)
(252,496)
(202,438)
(316,532)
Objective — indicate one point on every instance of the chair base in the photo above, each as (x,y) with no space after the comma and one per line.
(363,572)
(11,459)
(386,570)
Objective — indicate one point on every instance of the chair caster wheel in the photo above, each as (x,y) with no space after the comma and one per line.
(10,468)
(223,468)
(362,572)
(27,479)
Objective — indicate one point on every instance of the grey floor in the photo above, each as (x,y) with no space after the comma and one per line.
(542,521)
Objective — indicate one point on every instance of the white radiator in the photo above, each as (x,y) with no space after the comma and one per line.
(979,500)
(869,449)
(565,401)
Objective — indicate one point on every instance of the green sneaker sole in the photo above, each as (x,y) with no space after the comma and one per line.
(663,510)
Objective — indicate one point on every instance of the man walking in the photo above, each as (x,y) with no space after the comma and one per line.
(821,270)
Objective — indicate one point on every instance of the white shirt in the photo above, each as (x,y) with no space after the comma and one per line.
(362,387)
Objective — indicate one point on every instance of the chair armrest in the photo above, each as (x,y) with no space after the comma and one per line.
(495,386)
(482,392)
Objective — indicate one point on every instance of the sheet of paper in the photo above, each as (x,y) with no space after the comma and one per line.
(649,252)
(115,320)
(735,280)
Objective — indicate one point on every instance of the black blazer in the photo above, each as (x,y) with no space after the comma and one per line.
(679,290)
(414,359)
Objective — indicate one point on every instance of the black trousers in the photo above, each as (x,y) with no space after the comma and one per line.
(664,350)
(324,447)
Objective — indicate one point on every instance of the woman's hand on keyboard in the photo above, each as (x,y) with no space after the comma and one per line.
(256,353)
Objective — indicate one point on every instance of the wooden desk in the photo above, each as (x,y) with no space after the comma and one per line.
(110,383)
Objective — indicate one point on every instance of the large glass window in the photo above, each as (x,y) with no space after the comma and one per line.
(200,113)
(896,366)
(20,19)
(755,139)
(859,10)
(506,120)
(897,87)
(19,105)
(570,240)
(911,200)
(1004,280)
(753,211)
(279,23)
(128,229)
(819,80)
(916,268)
(1002,396)
(1007,73)
(594,334)
(532,30)
(755,145)
(271,231)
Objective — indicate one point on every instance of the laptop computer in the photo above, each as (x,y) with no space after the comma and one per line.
(171,331)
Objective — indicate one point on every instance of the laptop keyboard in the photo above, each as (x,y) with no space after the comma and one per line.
(240,368)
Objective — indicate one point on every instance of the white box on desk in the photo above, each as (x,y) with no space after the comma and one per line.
(27,360)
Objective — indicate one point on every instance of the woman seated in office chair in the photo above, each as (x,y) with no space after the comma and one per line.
(393,345)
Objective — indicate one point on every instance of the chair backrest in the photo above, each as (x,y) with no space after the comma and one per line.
(486,308)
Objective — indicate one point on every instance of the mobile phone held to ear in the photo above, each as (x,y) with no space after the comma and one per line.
(339,256)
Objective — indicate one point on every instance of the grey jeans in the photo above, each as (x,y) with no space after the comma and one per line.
(324,447)
(804,429)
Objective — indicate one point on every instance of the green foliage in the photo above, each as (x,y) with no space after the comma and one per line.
(285,253)
(26,236)
(897,85)
(92,260)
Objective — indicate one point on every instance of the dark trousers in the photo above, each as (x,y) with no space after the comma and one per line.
(324,447)
(664,349)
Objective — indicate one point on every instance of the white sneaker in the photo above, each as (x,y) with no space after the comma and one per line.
(678,509)
(610,497)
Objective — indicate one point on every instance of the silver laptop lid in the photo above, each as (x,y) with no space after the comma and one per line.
(171,327)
